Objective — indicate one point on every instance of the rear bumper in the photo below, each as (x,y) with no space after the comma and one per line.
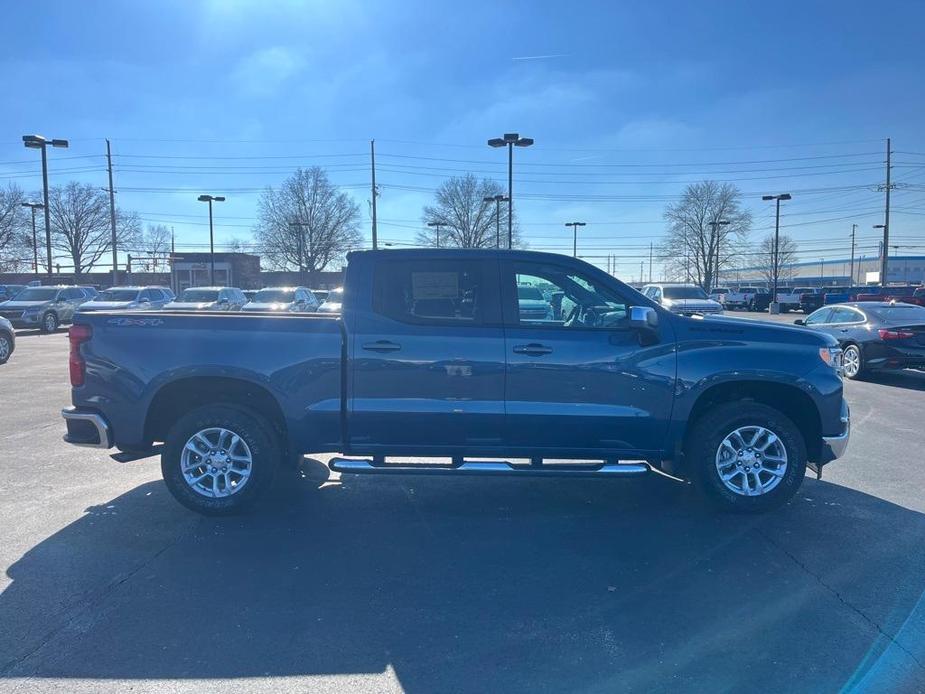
(85,428)
(834,447)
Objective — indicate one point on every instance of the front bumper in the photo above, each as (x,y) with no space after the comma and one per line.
(25,320)
(85,428)
(834,447)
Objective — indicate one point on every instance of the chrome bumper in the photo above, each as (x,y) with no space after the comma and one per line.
(86,429)
(834,447)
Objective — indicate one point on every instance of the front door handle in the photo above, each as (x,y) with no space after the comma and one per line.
(534,349)
(843,330)
(381,346)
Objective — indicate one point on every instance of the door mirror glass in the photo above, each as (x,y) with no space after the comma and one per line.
(643,318)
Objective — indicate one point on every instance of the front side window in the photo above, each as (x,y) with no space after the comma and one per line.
(561,297)
(819,316)
(440,291)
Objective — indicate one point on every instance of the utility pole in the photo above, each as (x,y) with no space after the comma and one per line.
(641,264)
(884,257)
(774,307)
(112,217)
(437,226)
(372,159)
(853,230)
(650,262)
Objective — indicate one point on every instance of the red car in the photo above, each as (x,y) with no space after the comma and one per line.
(909,294)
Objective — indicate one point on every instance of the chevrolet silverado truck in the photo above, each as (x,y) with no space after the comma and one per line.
(432,358)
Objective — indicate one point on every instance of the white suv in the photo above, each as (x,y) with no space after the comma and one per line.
(683,298)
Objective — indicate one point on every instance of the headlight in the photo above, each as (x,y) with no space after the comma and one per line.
(832,356)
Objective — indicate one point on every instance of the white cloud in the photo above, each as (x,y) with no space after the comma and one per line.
(264,72)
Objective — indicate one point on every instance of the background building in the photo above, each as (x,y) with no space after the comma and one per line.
(902,269)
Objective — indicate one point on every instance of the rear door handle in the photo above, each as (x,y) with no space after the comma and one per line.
(381,346)
(843,330)
(533,349)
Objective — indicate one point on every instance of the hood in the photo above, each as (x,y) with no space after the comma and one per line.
(22,305)
(752,329)
(105,305)
(329,307)
(692,304)
(189,306)
(269,306)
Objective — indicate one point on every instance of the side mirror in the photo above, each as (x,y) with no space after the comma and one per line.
(799,321)
(643,318)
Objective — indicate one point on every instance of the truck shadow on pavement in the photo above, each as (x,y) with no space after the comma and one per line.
(475,585)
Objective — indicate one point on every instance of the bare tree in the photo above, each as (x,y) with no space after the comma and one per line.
(466,220)
(307,216)
(156,246)
(80,225)
(786,256)
(692,241)
(15,241)
(236,245)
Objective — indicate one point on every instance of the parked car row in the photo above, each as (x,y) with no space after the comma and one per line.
(808,299)
(47,307)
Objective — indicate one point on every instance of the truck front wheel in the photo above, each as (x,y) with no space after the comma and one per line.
(219,459)
(746,457)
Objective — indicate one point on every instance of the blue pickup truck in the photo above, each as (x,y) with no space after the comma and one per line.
(431,357)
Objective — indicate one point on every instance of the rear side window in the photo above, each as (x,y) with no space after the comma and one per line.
(843,314)
(428,291)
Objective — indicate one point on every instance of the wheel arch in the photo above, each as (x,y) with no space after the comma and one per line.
(788,399)
(176,398)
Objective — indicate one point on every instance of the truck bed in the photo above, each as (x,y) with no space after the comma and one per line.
(133,358)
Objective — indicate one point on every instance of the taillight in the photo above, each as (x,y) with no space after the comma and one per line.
(77,335)
(894,334)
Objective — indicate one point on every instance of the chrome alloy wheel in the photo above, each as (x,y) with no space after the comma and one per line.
(751,461)
(216,462)
(5,348)
(51,323)
(851,361)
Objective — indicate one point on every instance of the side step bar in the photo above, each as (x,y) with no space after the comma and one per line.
(365,466)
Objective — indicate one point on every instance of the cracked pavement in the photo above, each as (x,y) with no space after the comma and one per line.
(424,584)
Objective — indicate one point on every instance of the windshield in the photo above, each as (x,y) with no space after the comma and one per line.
(274,296)
(37,294)
(530,293)
(197,296)
(117,295)
(683,293)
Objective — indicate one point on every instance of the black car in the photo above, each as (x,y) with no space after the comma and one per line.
(874,335)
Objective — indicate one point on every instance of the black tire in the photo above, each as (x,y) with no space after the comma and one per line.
(50,322)
(708,434)
(861,368)
(6,347)
(256,433)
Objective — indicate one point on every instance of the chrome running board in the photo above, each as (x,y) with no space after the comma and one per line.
(371,467)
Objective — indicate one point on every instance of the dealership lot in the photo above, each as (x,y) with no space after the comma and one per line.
(455,585)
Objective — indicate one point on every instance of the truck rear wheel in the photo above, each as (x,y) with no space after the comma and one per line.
(219,459)
(746,457)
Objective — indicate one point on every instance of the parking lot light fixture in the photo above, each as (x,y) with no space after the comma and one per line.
(511,140)
(40,142)
(774,307)
(437,225)
(497,199)
(210,199)
(575,226)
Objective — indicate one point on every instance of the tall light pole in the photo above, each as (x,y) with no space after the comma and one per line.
(774,306)
(497,199)
(854,228)
(437,225)
(716,224)
(35,242)
(210,199)
(511,140)
(39,142)
(575,226)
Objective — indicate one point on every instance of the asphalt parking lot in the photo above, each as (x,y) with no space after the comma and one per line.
(426,585)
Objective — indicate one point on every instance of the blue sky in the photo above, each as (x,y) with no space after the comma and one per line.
(632,101)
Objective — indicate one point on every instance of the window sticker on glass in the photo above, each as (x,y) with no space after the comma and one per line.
(434,285)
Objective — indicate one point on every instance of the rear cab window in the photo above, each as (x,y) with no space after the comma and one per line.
(436,291)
